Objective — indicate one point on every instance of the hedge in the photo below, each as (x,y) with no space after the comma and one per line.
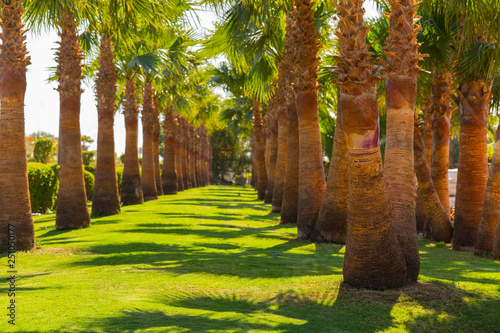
(43,185)
(89,184)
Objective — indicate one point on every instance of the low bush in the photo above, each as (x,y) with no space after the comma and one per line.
(119,176)
(90,168)
(43,185)
(89,184)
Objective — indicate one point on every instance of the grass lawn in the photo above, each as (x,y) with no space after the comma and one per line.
(202,261)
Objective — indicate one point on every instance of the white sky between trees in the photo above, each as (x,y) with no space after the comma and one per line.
(42,100)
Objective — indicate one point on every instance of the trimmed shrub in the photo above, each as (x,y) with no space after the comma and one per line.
(88,157)
(119,176)
(90,168)
(43,185)
(43,149)
(89,184)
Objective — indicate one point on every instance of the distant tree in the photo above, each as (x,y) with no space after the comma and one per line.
(41,134)
(44,148)
(223,144)
(85,141)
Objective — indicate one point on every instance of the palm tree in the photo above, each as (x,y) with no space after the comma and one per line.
(332,221)
(311,172)
(437,219)
(271,147)
(72,211)
(281,157)
(169,173)
(115,23)
(149,118)
(491,206)
(289,205)
(373,257)
(156,146)
(178,154)
(131,192)
(401,87)
(14,197)
(105,200)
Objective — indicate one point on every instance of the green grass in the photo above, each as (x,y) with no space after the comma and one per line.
(201,261)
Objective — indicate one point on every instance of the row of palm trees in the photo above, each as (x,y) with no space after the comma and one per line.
(369,203)
(118,27)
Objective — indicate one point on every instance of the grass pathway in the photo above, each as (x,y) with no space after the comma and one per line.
(215,260)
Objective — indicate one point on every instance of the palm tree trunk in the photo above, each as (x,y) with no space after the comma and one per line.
(105,200)
(422,221)
(191,154)
(273,151)
(437,219)
(156,151)
(441,122)
(289,207)
(373,257)
(495,253)
(260,149)
(281,160)
(14,196)
(131,192)
(491,205)
(332,221)
(72,209)
(148,164)
(253,181)
(178,155)
(311,171)
(185,142)
(472,176)
(169,173)
(401,90)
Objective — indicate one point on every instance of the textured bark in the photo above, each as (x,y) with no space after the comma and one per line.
(14,196)
(72,210)
(373,257)
(437,219)
(491,205)
(169,173)
(281,161)
(105,200)
(441,122)
(332,222)
(178,154)
(311,172)
(273,152)
(401,90)
(495,253)
(427,139)
(192,157)
(184,156)
(253,181)
(472,176)
(148,164)
(289,207)
(260,149)
(156,148)
(131,192)
(291,187)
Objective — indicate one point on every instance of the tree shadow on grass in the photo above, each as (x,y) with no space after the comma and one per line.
(336,310)
(248,262)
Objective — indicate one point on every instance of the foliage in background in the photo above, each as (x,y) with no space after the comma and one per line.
(88,157)
(224,152)
(89,184)
(44,147)
(43,186)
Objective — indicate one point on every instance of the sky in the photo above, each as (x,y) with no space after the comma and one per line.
(42,100)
